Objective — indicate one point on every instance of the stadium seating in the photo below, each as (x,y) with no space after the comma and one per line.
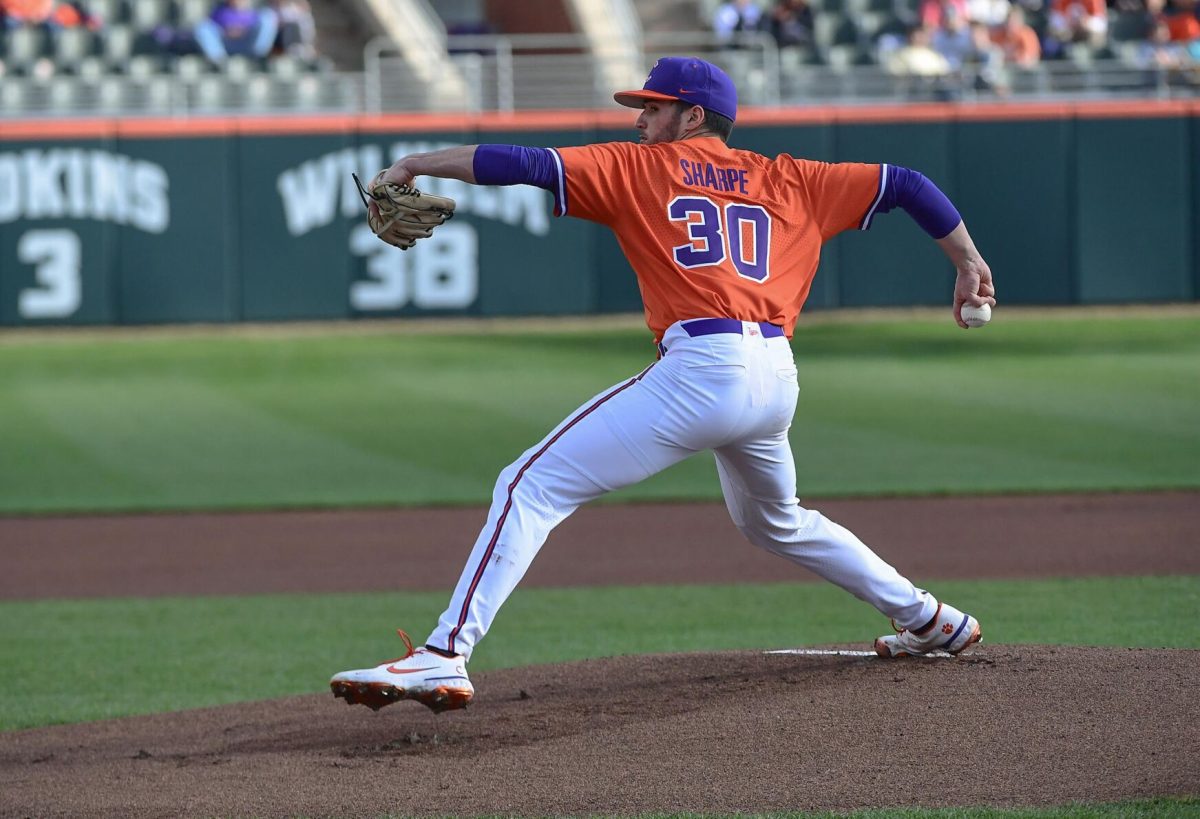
(122,67)
(125,67)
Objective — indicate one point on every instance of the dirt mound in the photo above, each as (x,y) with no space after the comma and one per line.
(723,732)
(390,549)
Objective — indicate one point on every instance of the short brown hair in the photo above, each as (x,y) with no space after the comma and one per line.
(719,124)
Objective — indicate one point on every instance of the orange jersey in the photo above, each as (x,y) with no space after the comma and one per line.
(712,231)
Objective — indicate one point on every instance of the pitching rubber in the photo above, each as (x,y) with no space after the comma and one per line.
(377,695)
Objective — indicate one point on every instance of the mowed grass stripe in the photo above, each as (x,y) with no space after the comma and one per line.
(208,433)
(142,656)
(1010,427)
(904,407)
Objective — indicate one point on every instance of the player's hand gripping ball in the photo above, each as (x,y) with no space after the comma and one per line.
(400,215)
(976,316)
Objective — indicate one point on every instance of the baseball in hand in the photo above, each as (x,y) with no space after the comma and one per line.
(976,316)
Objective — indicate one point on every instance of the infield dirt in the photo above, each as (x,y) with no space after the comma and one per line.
(718,732)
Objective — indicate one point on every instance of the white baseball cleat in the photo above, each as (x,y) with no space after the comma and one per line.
(950,630)
(434,680)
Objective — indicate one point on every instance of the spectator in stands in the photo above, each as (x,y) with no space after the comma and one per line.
(929,71)
(1158,51)
(1169,59)
(952,39)
(734,17)
(1018,40)
(989,12)
(975,60)
(17,13)
(1182,20)
(985,61)
(933,12)
(235,27)
(1076,21)
(297,35)
(51,16)
(791,23)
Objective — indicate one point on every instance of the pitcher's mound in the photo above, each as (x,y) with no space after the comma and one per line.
(722,732)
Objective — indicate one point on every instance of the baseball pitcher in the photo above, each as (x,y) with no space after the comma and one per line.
(725,245)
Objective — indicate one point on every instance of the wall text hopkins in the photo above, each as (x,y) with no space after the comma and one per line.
(81,183)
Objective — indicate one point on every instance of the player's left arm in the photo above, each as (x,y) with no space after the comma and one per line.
(448,163)
(487,165)
(937,216)
(480,165)
(593,177)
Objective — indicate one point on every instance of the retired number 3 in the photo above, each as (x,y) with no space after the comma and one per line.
(742,233)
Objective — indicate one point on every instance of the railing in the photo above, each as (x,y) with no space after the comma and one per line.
(560,71)
(547,72)
(1102,79)
(173,96)
(531,72)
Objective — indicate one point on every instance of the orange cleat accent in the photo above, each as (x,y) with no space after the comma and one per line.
(439,683)
(377,695)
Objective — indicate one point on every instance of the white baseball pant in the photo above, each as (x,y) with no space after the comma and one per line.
(734,393)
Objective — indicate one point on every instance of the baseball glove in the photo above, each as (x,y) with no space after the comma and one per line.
(400,215)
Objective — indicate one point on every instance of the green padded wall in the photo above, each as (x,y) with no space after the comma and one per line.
(1014,184)
(895,262)
(199,246)
(1134,209)
(213,225)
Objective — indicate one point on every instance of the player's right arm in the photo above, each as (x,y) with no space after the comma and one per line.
(849,195)
(921,199)
(974,282)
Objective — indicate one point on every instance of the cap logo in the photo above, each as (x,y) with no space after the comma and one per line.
(706,85)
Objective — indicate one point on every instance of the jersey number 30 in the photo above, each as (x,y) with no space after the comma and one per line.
(742,234)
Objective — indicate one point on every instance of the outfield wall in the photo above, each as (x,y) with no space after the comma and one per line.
(217,220)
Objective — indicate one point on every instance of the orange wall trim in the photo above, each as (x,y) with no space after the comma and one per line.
(164,127)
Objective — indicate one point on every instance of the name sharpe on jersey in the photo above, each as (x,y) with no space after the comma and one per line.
(704,175)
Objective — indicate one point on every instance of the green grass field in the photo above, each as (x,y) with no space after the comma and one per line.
(890,407)
(165,654)
(204,420)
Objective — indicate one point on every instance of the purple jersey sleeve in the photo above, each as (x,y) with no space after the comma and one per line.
(919,197)
(515,165)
